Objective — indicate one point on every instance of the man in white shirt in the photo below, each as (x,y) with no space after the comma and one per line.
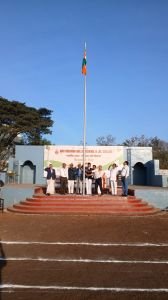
(98,179)
(124,178)
(113,179)
(63,179)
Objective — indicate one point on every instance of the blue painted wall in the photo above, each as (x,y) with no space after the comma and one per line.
(35,154)
(156,197)
(13,194)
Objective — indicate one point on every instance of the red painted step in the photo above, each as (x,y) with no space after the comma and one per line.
(77,204)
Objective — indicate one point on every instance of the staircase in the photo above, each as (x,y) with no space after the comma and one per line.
(84,205)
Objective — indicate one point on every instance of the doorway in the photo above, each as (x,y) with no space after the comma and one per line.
(28,172)
(139,174)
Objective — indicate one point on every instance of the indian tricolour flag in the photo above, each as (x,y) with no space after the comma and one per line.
(84,64)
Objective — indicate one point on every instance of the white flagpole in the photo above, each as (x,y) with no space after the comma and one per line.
(84,132)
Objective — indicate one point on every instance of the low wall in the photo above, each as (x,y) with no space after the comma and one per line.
(157,197)
(14,194)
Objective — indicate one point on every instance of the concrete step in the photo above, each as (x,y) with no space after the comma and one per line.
(57,203)
(77,204)
(88,211)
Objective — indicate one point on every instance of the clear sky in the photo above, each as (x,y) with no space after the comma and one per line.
(41,51)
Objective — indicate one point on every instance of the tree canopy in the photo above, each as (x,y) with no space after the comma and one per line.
(17,119)
(108,140)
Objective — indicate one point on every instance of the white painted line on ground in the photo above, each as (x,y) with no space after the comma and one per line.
(81,260)
(81,288)
(85,244)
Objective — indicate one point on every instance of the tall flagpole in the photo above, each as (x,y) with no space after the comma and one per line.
(84,119)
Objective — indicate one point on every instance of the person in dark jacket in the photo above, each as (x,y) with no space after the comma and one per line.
(71,178)
(79,179)
(89,178)
(51,177)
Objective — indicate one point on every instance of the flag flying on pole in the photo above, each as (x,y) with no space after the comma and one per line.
(84,70)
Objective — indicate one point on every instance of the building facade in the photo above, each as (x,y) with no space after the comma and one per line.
(27,167)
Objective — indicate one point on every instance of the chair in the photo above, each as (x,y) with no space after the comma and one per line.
(2,204)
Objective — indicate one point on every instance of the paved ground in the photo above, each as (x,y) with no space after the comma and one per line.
(83,257)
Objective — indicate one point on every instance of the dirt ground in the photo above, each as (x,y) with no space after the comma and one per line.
(83,257)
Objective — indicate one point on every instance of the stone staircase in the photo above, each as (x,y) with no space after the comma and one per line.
(107,204)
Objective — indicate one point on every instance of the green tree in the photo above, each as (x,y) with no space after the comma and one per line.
(17,119)
(108,140)
(136,141)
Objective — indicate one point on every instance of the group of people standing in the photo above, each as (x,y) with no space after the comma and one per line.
(71,175)
(124,174)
